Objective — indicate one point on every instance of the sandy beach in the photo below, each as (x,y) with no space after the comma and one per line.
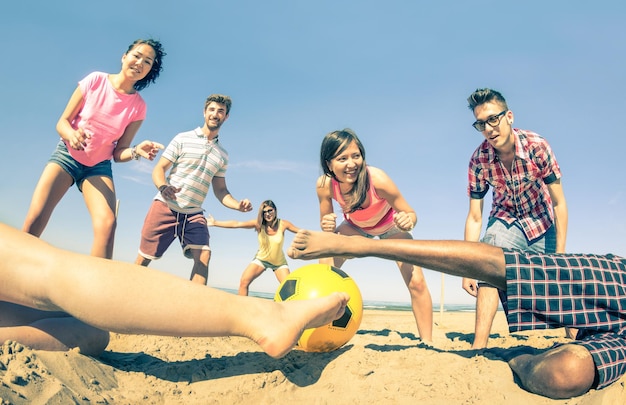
(384,363)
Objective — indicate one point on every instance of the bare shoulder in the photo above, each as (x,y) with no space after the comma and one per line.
(378,176)
(323,185)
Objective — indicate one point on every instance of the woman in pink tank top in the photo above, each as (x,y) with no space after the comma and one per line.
(372,206)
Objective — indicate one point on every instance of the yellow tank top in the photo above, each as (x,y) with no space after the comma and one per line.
(271,246)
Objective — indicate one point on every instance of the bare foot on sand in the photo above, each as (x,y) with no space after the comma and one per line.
(315,245)
(287,320)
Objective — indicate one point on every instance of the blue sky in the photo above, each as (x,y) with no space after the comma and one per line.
(397,72)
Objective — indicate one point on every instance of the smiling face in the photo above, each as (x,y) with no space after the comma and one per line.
(499,136)
(214,115)
(267,214)
(347,165)
(137,63)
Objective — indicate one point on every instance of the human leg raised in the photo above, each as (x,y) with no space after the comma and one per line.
(458,258)
(124,298)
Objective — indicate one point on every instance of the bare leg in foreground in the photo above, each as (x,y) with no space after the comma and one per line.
(563,372)
(125,298)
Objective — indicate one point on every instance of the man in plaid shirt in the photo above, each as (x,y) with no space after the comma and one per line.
(528,211)
(544,290)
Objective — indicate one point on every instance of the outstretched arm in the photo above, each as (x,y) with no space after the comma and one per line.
(289,226)
(231,223)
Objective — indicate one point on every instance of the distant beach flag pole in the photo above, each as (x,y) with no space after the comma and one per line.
(441,299)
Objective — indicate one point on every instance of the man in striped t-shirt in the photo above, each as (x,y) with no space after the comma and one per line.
(195,161)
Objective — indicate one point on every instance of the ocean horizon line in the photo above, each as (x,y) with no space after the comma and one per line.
(378,304)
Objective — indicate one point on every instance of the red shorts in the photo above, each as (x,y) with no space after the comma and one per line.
(162,225)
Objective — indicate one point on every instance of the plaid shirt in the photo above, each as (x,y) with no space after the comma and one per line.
(521,195)
(587,292)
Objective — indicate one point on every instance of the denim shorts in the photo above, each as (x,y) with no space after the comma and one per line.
(78,171)
(501,234)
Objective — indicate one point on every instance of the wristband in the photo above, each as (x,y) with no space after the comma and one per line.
(133,153)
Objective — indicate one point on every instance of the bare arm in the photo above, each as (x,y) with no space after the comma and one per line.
(223,195)
(231,223)
(406,218)
(75,137)
(145,149)
(474,220)
(289,226)
(473,224)
(160,181)
(122,152)
(560,214)
(328,219)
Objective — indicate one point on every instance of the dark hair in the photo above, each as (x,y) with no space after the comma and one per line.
(157,65)
(220,99)
(333,144)
(482,96)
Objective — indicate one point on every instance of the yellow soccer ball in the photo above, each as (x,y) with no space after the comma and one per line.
(319,280)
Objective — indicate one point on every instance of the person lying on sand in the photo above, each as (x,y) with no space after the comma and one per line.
(583,291)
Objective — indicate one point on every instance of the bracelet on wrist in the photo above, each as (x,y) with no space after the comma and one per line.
(133,153)
(163,187)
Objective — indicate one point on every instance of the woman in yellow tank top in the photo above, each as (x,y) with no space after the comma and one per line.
(271,235)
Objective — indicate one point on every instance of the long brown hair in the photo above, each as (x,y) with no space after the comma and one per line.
(333,144)
(260,219)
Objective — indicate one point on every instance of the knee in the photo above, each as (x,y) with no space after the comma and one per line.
(564,372)
(417,284)
(105,223)
(244,282)
(575,372)
(204,257)
(95,341)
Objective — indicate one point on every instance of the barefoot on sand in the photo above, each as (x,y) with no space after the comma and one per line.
(280,336)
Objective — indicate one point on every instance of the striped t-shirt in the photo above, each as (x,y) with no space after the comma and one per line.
(195,161)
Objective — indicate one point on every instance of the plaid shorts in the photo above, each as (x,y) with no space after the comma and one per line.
(587,292)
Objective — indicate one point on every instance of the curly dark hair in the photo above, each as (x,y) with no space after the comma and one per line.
(157,65)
